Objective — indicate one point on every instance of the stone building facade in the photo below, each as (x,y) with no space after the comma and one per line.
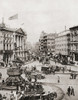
(12,43)
(74,43)
(62,45)
(47,43)
(51,42)
(43,43)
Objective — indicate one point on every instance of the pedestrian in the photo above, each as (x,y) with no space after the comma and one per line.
(72,91)
(35,78)
(69,91)
(4,97)
(71,76)
(70,69)
(11,95)
(6,65)
(1,97)
(58,79)
(3,81)
(63,69)
(0,75)
(74,76)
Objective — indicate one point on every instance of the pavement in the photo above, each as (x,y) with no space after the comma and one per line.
(65,82)
(66,97)
(53,88)
(72,67)
(52,80)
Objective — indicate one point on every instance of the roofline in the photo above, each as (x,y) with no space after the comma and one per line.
(72,28)
(5,29)
(62,35)
(63,31)
(12,30)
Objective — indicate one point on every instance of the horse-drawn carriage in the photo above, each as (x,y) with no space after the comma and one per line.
(48,69)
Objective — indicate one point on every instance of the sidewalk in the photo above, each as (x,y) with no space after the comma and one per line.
(61,72)
(66,97)
(72,67)
(58,90)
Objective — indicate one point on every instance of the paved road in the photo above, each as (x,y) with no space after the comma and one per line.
(65,80)
(54,88)
(72,67)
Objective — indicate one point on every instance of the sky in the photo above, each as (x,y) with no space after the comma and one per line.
(49,16)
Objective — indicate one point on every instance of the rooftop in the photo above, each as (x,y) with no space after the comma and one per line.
(6,28)
(63,33)
(74,27)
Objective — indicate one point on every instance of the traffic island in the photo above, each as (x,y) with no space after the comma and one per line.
(14,79)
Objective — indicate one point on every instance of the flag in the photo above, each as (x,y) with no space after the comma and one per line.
(13,17)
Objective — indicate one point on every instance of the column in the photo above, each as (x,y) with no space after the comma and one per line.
(73,57)
(14,37)
(20,42)
(17,40)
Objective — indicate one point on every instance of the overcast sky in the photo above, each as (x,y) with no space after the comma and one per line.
(38,15)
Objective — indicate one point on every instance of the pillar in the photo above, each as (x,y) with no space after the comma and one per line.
(73,57)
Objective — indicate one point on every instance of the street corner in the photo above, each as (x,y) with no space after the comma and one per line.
(59,91)
(54,89)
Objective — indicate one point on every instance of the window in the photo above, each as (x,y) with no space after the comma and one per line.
(4,46)
(7,46)
(10,46)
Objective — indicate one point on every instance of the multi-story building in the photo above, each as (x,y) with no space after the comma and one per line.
(74,43)
(12,43)
(51,42)
(43,43)
(62,43)
(47,43)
